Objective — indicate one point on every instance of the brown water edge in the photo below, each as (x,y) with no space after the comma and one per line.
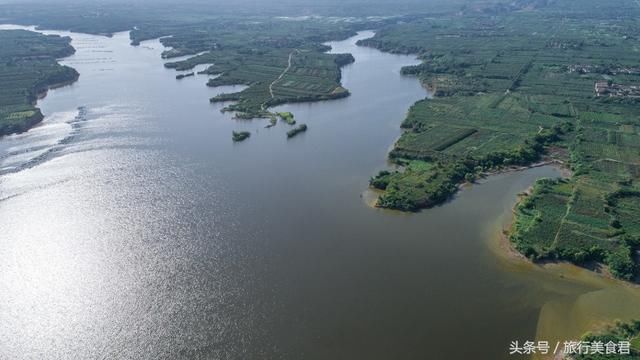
(586,300)
(571,300)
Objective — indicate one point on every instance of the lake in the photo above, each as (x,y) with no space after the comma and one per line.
(133,227)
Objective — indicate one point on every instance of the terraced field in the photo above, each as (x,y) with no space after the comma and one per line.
(28,67)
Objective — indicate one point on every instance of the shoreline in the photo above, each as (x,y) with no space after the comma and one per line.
(558,164)
(38,117)
(589,314)
(483,177)
(39,92)
(499,241)
(502,243)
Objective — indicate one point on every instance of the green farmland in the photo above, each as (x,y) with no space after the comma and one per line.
(516,86)
(275,70)
(28,67)
(271,80)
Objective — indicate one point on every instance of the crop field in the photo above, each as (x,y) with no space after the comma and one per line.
(627,210)
(460,126)
(277,68)
(28,67)
(601,217)
(508,85)
(437,138)
(311,76)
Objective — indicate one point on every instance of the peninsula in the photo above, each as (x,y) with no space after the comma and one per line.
(515,86)
(28,68)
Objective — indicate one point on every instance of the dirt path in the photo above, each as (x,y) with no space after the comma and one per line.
(283,73)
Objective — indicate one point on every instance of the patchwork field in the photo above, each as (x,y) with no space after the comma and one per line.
(521,85)
(280,61)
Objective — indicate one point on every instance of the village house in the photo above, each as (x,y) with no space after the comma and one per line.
(602,87)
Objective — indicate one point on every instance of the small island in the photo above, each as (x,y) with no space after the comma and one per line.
(287,117)
(297,130)
(238,136)
(182,76)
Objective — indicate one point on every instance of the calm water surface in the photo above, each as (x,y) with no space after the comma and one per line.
(135,229)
